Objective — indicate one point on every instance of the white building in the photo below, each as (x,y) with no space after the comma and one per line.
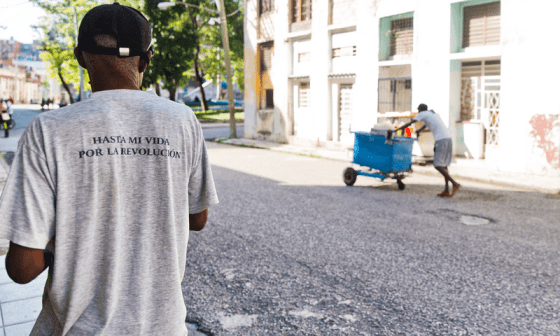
(316,69)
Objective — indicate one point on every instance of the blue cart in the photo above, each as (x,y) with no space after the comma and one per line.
(384,158)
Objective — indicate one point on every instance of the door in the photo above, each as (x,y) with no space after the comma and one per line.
(480,100)
(345,109)
(302,95)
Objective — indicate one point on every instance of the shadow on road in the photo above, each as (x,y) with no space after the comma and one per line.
(337,260)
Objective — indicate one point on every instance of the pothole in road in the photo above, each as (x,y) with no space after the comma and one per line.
(463,218)
(473,220)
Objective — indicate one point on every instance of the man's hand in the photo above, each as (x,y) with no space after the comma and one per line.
(24,264)
(198,221)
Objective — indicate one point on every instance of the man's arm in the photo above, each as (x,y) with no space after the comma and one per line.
(405,125)
(198,221)
(24,264)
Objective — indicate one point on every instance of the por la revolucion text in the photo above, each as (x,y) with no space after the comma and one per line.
(130,151)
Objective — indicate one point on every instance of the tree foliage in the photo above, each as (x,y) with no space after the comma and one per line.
(211,38)
(173,44)
(60,38)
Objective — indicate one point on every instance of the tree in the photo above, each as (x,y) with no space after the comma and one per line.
(173,45)
(207,64)
(60,38)
(213,64)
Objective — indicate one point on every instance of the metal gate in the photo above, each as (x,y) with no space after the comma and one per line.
(395,95)
(345,102)
(480,101)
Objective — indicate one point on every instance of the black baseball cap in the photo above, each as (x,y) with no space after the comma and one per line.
(422,107)
(127,25)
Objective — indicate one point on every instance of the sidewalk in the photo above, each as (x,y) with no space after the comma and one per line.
(474,170)
(20,305)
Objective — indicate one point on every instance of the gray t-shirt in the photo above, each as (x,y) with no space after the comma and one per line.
(434,123)
(108,184)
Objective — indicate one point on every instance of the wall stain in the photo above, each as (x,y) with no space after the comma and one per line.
(543,132)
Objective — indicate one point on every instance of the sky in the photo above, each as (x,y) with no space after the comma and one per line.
(17,16)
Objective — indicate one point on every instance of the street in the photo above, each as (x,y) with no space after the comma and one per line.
(291,250)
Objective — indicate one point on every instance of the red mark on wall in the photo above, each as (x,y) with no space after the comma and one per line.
(543,132)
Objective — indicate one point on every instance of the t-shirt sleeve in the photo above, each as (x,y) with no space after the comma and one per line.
(27,204)
(202,192)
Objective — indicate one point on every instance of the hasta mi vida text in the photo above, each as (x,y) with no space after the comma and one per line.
(130,151)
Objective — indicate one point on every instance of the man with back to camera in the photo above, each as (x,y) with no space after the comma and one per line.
(104,192)
(443,148)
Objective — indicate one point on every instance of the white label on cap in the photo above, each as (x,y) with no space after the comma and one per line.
(124,51)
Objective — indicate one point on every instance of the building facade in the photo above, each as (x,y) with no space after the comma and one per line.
(316,71)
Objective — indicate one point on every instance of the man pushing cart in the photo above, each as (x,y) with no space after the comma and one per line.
(443,149)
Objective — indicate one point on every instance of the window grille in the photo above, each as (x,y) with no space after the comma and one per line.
(401,37)
(265,6)
(394,95)
(344,51)
(481,25)
(304,91)
(266,58)
(301,10)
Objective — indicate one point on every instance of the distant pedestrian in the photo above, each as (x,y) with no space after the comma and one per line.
(104,194)
(9,104)
(6,118)
(443,149)
(43,104)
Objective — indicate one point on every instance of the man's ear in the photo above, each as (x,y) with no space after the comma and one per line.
(79,57)
(142,65)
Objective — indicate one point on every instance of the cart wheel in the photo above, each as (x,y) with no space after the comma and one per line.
(401,185)
(349,176)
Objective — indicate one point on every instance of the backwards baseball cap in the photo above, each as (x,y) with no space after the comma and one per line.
(127,25)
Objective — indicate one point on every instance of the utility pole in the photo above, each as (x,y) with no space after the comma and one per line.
(225,40)
(81,69)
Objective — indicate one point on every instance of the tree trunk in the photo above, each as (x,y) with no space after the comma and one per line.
(172,91)
(200,80)
(66,87)
(158,91)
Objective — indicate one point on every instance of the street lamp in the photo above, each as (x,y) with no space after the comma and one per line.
(225,40)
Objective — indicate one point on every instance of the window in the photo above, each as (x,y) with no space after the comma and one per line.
(266,51)
(344,51)
(401,37)
(266,58)
(269,98)
(481,25)
(304,95)
(265,6)
(304,57)
(394,95)
(301,10)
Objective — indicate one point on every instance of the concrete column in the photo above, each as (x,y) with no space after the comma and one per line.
(319,72)
(367,73)
(280,71)
(251,69)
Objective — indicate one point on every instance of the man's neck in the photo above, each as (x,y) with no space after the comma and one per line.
(104,82)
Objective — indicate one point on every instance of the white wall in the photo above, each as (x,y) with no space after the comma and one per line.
(530,72)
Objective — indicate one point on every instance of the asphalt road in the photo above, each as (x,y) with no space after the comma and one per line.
(291,250)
